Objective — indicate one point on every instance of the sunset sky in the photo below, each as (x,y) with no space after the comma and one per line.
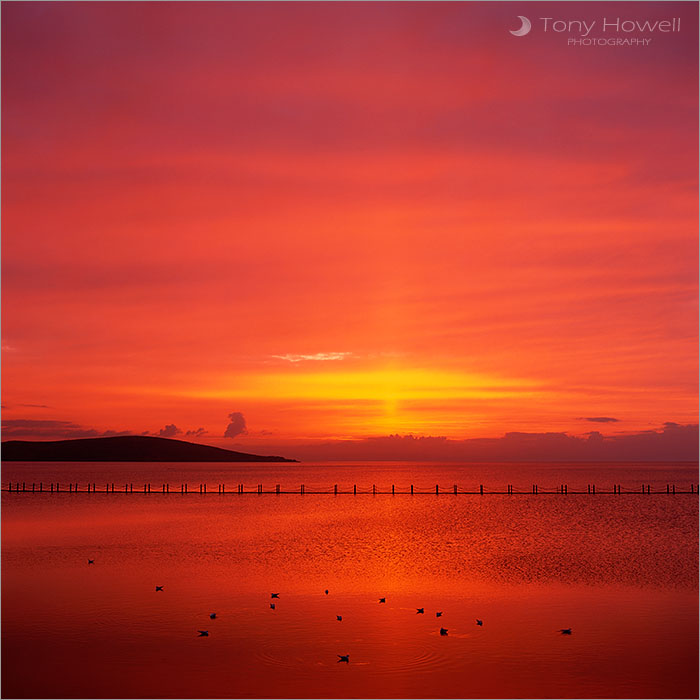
(300,223)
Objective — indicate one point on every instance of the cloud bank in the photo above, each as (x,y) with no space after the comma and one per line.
(668,443)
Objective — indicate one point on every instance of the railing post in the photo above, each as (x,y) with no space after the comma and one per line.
(437,489)
(354,490)
(455,489)
(411,489)
(481,489)
(392,490)
(374,489)
(335,489)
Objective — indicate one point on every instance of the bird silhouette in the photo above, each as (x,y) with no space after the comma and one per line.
(480,623)
(203,633)
(274,595)
(326,591)
(443,631)
(159,588)
(212,616)
(566,631)
(438,614)
(420,611)
(339,618)
(272,605)
(382,600)
(345,658)
(91,561)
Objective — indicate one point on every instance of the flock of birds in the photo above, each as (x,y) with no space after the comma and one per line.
(343,658)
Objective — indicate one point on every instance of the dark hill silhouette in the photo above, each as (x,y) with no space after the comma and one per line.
(127,448)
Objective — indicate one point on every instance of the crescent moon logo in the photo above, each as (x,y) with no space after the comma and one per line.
(524,29)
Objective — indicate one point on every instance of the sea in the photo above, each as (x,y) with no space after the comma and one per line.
(410,576)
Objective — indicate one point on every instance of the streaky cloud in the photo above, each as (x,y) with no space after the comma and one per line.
(318,357)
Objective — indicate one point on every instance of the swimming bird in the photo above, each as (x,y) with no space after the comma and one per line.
(159,588)
(382,600)
(203,633)
(480,623)
(438,614)
(212,616)
(566,631)
(345,658)
(274,595)
(339,618)
(420,611)
(326,591)
(443,631)
(91,561)
(272,605)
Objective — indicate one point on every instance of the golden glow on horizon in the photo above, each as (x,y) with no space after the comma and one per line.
(385,385)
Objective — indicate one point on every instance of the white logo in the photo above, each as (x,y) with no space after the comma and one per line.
(524,29)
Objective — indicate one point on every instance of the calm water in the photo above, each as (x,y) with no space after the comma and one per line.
(622,572)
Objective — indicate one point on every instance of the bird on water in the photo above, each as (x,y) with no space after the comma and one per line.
(443,631)
(438,614)
(339,618)
(344,657)
(203,633)
(274,595)
(480,623)
(91,561)
(420,611)
(382,600)
(212,616)
(272,606)
(326,591)
(159,588)
(566,631)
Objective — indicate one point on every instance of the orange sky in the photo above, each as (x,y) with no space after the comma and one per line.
(345,220)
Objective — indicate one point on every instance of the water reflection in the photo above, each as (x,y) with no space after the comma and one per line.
(621,573)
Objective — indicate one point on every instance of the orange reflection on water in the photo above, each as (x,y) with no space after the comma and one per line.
(622,574)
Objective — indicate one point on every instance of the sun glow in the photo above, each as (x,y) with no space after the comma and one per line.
(387,385)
